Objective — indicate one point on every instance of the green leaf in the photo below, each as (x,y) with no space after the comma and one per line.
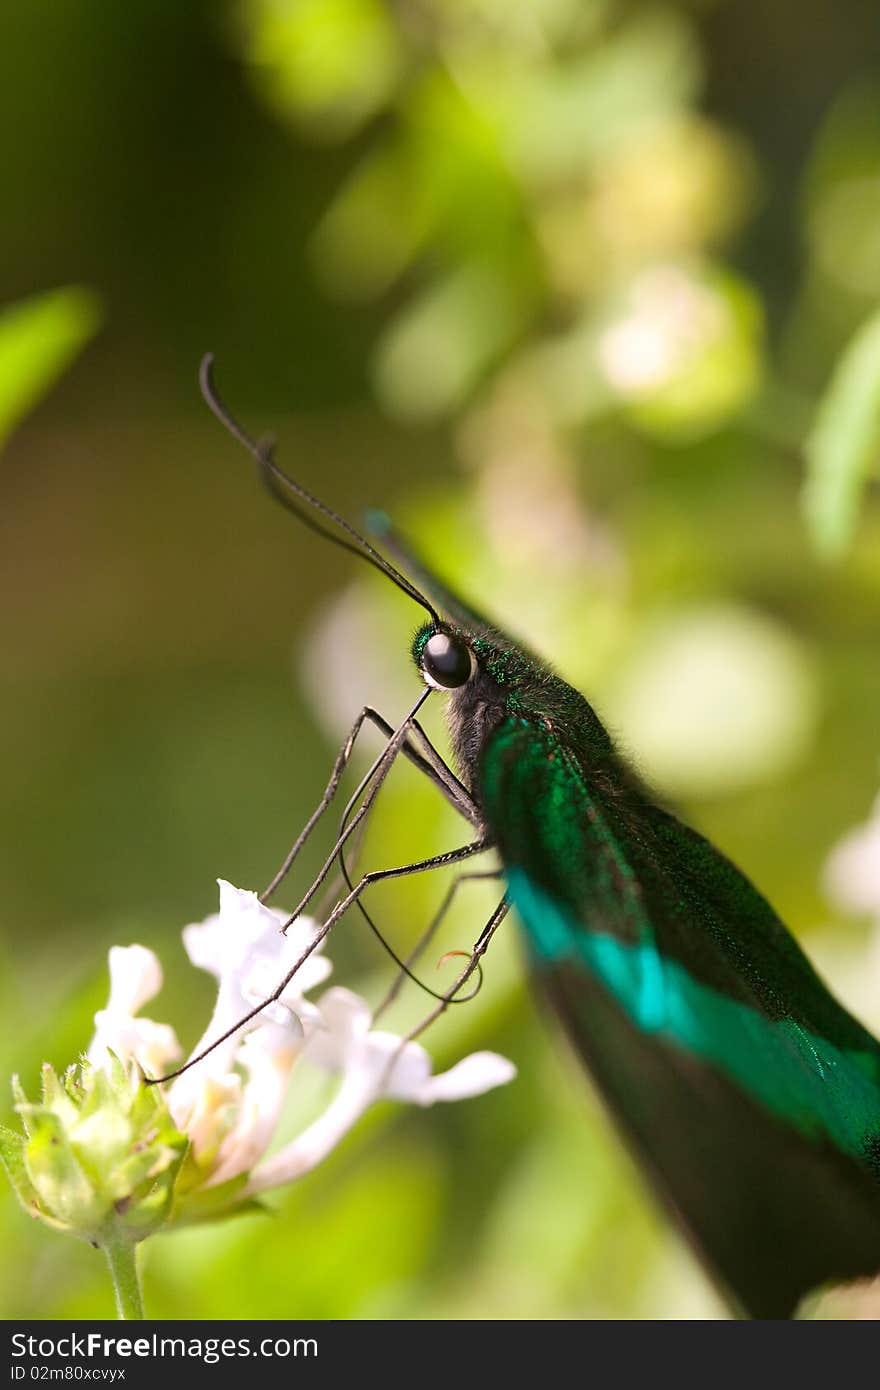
(39,338)
(844,445)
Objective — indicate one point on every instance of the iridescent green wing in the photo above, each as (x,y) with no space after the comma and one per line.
(751,1097)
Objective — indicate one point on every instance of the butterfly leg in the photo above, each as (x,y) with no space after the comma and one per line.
(433,765)
(339,766)
(428,762)
(436,861)
(453,856)
(376,779)
(480,948)
(444,1000)
(427,936)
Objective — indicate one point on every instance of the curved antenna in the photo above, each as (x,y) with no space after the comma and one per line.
(281,485)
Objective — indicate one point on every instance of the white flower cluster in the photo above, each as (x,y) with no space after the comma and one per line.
(229,1104)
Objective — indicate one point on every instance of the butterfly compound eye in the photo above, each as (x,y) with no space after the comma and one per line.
(446,661)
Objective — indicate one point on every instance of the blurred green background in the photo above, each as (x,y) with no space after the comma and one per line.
(584,294)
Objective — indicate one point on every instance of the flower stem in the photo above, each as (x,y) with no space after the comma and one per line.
(122,1259)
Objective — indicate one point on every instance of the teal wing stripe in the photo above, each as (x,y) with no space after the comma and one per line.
(802,1078)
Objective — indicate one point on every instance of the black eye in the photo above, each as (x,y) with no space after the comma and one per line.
(446,661)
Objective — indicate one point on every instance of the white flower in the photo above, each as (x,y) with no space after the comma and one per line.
(244,948)
(230,1118)
(374,1065)
(228,1103)
(380,1064)
(135,977)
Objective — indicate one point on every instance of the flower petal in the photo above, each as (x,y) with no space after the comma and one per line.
(343,1026)
(135,978)
(152,1045)
(472,1076)
(244,949)
(267,1056)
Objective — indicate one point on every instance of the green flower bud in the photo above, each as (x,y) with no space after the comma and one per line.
(99,1155)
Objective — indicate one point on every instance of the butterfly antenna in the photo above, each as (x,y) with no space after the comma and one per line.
(281,486)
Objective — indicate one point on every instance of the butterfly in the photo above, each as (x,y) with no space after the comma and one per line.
(748,1095)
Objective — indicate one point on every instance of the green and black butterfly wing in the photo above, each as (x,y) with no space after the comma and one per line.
(750,1096)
